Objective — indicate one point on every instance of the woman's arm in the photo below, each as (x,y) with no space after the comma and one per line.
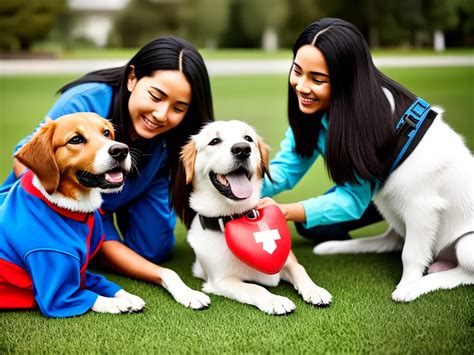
(292,211)
(287,168)
(340,204)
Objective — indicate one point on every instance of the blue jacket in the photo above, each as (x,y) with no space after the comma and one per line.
(44,253)
(149,229)
(342,203)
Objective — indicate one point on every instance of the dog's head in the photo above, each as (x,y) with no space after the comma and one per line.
(76,153)
(223,167)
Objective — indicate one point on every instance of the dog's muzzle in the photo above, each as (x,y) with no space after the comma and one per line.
(111,179)
(235,185)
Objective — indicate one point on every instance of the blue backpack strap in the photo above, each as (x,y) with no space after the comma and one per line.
(411,128)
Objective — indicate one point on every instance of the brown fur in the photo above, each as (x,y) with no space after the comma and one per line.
(54,161)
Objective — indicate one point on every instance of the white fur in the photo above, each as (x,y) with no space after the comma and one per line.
(122,302)
(85,203)
(429,202)
(222,272)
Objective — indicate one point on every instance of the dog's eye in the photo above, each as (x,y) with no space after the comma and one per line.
(78,139)
(107,133)
(248,139)
(215,141)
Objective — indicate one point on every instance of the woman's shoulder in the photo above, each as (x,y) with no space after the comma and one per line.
(90,89)
(90,97)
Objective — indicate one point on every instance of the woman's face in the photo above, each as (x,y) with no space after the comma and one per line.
(310,79)
(158,102)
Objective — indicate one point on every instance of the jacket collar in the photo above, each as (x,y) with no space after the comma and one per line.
(27,184)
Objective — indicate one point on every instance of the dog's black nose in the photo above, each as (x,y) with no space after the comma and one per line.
(118,151)
(241,150)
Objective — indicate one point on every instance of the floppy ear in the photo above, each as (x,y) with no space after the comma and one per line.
(264,167)
(188,158)
(38,156)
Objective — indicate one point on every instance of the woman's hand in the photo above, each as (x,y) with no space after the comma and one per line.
(292,211)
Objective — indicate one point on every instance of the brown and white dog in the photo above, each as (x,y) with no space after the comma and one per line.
(222,171)
(71,161)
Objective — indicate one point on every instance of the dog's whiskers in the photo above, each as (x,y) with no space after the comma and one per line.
(135,155)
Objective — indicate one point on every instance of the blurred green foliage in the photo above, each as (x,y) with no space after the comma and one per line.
(240,23)
(23,22)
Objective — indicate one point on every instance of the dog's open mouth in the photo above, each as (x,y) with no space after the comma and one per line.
(235,185)
(111,179)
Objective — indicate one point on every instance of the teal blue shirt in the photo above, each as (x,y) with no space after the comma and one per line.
(343,203)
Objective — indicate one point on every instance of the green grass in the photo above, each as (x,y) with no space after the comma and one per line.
(362,319)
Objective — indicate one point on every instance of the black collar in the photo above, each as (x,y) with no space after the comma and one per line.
(218,223)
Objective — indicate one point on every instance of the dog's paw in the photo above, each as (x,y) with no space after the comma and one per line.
(316,295)
(112,305)
(276,305)
(137,303)
(192,299)
(326,248)
(406,293)
(183,294)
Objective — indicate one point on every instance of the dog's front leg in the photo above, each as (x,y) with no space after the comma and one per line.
(418,248)
(463,274)
(295,273)
(255,295)
(182,293)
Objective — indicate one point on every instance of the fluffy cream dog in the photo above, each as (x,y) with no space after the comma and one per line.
(429,203)
(222,173)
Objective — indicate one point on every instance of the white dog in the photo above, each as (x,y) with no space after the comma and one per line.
(429,202)
(225,163)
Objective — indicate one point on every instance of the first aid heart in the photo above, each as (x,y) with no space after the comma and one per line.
(263,242)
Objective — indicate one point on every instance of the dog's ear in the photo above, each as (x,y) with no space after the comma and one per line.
(188,158)
(38,156)
(264,167)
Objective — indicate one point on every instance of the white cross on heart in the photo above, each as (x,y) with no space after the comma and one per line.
(267,238)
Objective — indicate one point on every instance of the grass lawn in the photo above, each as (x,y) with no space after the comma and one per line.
(363,318)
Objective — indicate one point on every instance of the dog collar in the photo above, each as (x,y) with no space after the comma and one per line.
(218,223)
(411,128)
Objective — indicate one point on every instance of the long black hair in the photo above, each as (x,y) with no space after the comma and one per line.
(361,124)
(163,53)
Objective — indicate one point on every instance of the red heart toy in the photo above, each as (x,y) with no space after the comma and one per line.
(262,243)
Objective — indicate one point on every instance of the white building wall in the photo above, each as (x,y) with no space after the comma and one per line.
(94,18)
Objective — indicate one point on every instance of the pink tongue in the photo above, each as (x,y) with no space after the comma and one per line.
(114,177)
(240,185)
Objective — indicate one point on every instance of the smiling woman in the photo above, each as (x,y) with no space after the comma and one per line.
(155,102)
(310,80)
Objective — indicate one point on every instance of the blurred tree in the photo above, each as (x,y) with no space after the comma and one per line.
(300,14)
(207,20)
(463,34)
(22,22)
(440,15)
(142,20)
(261,20)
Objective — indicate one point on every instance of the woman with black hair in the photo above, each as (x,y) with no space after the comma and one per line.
(155,101)
(342,107)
